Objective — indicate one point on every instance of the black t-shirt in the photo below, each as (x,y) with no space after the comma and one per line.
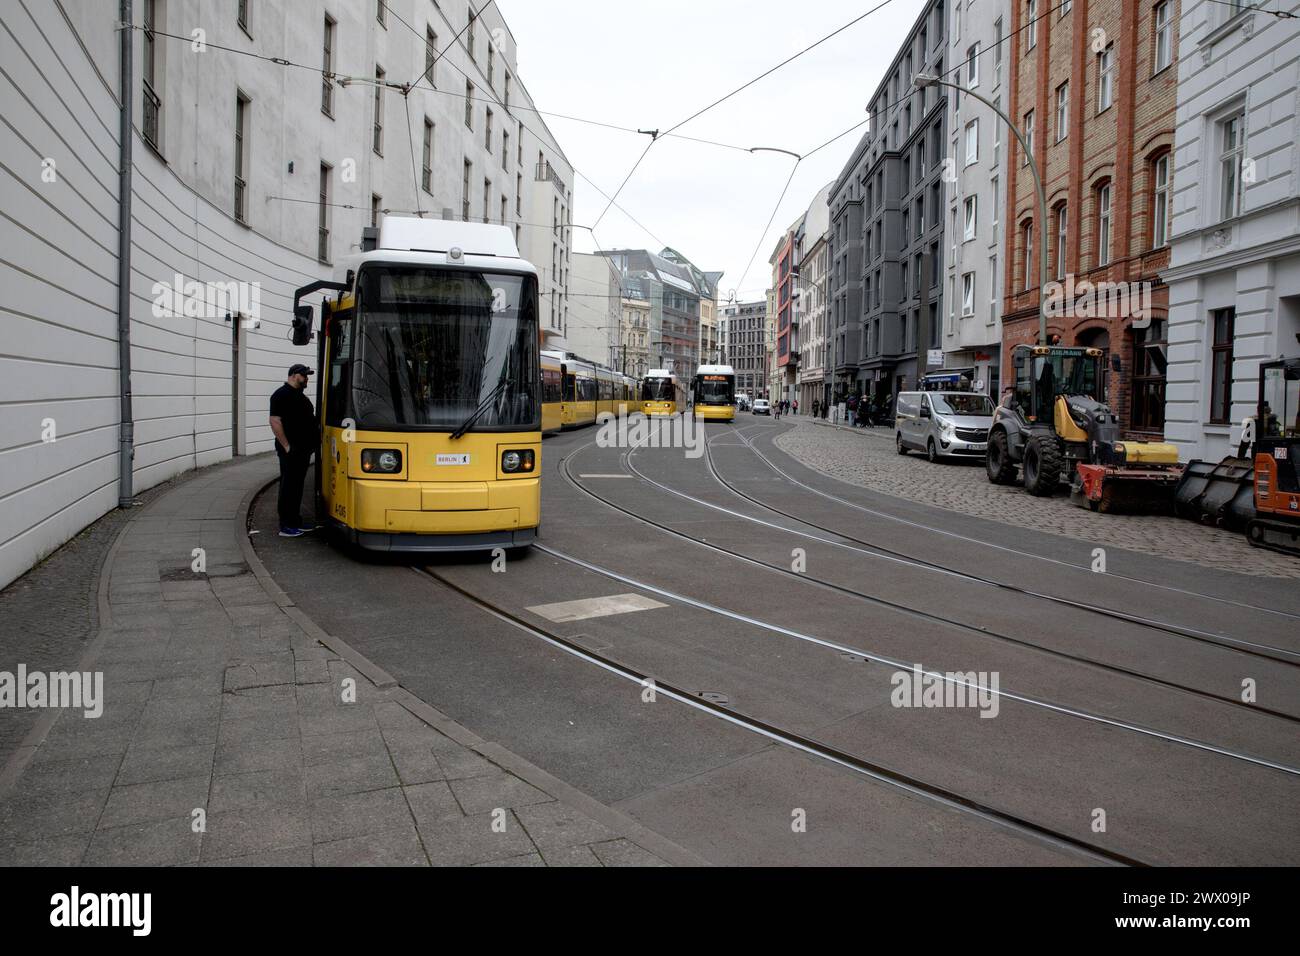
(294,409)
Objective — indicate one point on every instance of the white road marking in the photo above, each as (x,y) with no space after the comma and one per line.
(604,476)
(595,607)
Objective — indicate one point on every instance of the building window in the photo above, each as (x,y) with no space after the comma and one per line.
(1160,203)
(1105,78)
(505,149)
(464,191)
(1062,111)
(376,202)
(379,112)
(1065,7)
(1062,228)
(241,157)
(426,164)
(1028,131)
(506,98)
(242,15)
(1223,322)
(1028,231)
(430,56)
(492,65)
(487,130)
(469,104)
(152,119)
(967,294)
(997,49)
(970,212)
(1031,24)
(469,33)
(323,216)
(505,208)
(1103,225)
(1163,47)
(1232,137)
(487,199)
(519,194)
(973,66)
(327,79)
(972,141)
(1150,359)
(381,13)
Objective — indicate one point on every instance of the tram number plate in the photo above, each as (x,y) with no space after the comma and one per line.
(452,460)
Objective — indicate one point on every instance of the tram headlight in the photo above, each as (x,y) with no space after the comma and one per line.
(381,461)
(516,462)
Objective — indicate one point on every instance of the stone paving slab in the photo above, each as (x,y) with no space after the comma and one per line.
(231,734)
(866,457)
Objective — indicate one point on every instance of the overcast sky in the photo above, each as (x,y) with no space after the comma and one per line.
(651,65)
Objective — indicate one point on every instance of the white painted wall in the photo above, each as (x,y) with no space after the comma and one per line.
(594,309)
(58,262)
(1251,262)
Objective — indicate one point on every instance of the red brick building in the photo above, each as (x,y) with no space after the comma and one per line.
(1093,86)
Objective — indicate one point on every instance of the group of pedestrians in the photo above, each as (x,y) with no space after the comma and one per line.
(784,406)
(866,411)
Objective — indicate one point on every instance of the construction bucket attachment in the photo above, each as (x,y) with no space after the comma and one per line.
(1220,494)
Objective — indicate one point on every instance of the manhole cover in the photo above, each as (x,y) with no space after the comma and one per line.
(713,697)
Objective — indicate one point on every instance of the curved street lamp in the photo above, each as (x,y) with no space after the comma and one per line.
(926,79)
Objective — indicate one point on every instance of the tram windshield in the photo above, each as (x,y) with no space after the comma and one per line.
(432,345)
(715,390)
(658,390)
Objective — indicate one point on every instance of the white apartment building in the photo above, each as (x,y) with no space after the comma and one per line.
(634,353)
(812,257)
(972,325)
(1234,276)
(256,165)
(595,307)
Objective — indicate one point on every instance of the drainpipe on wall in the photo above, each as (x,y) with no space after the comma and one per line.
(126,439)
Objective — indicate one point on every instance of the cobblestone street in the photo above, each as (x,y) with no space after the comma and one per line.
(867,457)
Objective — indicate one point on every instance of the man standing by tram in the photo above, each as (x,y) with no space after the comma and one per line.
(293,420)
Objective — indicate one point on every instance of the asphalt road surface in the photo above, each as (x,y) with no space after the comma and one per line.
(770,666)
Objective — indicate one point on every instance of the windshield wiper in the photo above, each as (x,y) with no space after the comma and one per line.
(483,407)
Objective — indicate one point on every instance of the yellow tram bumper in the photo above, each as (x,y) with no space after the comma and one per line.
(659,408)
(716,413)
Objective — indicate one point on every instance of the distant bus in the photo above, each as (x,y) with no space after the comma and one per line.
(714,393)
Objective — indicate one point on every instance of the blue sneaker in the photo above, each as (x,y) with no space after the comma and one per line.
(292,532)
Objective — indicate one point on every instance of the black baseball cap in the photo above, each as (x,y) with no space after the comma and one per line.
(301,370)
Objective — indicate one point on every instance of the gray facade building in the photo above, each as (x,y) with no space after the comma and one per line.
(887,226)
(745,349)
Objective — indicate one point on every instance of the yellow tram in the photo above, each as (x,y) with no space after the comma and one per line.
(713,391)
(429,390)
(661,393)
(585,390)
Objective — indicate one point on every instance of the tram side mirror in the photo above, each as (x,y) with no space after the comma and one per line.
(302,316)
(1116,364)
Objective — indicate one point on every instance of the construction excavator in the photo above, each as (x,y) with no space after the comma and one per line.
(1054,426)
(1255,490)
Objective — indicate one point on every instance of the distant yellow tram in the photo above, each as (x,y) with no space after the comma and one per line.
(713,393)
(661,393)
(430,390)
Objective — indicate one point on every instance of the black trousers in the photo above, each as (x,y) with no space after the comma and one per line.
(293,474)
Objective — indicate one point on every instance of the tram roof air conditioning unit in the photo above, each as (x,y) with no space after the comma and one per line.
(409,234)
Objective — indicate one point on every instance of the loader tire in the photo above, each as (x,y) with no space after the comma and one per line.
(997,461)
(1042,468)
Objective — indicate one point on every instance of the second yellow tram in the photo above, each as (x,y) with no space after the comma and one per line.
(662,394)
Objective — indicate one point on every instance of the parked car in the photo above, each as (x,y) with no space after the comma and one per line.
(762,406)
(943,424)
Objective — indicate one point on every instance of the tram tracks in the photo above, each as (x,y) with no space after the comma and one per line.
(870,655)
(930,792)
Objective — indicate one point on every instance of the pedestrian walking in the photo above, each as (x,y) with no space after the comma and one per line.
(293,422)
(816,407)
(796,406)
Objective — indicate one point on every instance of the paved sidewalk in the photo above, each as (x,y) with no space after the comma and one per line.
(961,486)
(234,731)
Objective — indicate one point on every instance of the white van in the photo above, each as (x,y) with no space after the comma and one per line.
(943,423)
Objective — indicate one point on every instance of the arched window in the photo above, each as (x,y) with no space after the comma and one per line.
(1102,205)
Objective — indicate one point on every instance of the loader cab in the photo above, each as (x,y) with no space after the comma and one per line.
(1276,524)
(1045,372)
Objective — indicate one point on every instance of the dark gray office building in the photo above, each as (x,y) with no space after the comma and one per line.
(886,214)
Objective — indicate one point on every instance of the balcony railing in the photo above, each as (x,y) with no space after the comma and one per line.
(323,244)
(545,171)
(241,195)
